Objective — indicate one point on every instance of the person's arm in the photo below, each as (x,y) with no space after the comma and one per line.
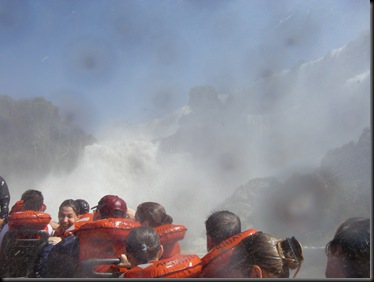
(54,224)
(3,231)
(124,262)
(4,199)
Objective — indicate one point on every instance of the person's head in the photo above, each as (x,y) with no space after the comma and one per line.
(221,225)
(84,206)
(110,206)
(348,253)
(68,213)
(143,245)
(263,256)
(130,214)
(32,200)
(152,214)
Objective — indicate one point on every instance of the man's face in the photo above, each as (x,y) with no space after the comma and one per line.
(335,267)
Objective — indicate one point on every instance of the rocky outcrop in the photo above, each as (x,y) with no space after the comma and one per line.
(36,141)
(310,206)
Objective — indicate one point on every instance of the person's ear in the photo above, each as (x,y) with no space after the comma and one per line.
(160,252)
(209,244)
(131,259)
(255,272)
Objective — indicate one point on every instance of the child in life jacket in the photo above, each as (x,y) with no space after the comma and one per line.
(84,216)
(68,214)
(143,253)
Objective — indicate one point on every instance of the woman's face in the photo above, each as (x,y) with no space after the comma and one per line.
(67,217)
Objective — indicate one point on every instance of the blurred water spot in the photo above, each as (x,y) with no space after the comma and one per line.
(90,61)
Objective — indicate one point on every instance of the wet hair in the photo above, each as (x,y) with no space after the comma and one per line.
(84,207)
(221,225)
(154,213)
(32,200)
(276,256)
(72,204)
(143,243)
(351,244)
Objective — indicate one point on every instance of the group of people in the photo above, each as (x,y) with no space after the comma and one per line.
(145,243)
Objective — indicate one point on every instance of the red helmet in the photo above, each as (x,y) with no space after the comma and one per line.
(109,204)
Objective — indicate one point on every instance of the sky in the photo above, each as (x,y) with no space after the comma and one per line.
(102,61)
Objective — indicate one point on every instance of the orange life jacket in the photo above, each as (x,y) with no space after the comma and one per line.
(215,261)
(83,219)
(29,220)
(59,232)
(104,238)
(177,266)
(170,234)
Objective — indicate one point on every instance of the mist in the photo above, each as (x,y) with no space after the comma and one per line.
(190,99)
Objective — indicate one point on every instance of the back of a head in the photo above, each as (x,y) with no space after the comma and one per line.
(221,225)
(276,256)
(84,206)
(152,212)
(112,206)
(143,244)
(351,244)
(32,200)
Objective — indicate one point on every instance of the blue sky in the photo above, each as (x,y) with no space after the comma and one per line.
(102,61)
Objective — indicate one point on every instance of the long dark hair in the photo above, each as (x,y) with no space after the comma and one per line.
(276,256)
(152,212)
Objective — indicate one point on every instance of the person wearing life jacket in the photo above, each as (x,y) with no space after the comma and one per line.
(84,216)
(104,237)
(223,231)
(143,258)
(30,217)
(4,200)
(261,255)
(154,215)
(18,207)
(68,214)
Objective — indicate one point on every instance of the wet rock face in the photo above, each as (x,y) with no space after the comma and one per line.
(309,206)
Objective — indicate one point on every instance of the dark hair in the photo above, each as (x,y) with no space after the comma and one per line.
(143,243)
(221,225)
(152,212)
(84,206)
(70,203)
(351,244)
(276,256)
(32,200)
